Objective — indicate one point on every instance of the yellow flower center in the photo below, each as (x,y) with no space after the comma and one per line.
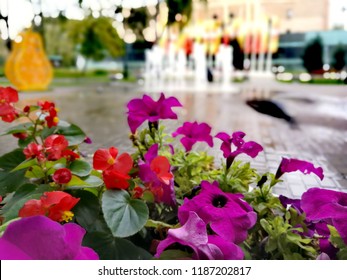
(110,161)
(55,119)
(67,216)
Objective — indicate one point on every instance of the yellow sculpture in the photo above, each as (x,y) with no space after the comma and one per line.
(28,67)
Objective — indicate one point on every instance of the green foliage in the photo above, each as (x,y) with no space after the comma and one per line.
(192,168)
(238,178)
(11,181)
(97,38)
(125,216)
(88,214)
(284,243)
(338,242)
(313,55)
(80,168)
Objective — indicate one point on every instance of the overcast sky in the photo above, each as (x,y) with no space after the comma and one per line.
(21,12)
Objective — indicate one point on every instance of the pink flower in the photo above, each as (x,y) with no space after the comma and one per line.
(292,165)
(227,214)
(249,148)
(140,110)
(320,204)
(40,238)
(193,234)
(193,132)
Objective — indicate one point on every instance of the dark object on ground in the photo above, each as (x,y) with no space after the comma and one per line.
(209,75)
(270,108)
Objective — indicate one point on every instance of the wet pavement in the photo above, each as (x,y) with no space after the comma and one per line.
(320,135)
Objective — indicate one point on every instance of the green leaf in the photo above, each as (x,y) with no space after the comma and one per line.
(174,255)
(76,182)
(156,224)
(11,181)
(25,164)
(22,143)
(99,237)
(93,181)
(80,168)
(109,247)
(22,195)
(72,133)
(125,216)
(35,172)
(88,212)
(12,159)
(24,127)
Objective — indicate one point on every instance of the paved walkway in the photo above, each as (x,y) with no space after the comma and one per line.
(320,111)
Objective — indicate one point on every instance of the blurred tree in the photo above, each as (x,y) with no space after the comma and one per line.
(137,21)
(339,58)
(57,39)
(97,38)
(313,55)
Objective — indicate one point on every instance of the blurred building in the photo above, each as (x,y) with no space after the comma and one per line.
(299,22)
(294,15)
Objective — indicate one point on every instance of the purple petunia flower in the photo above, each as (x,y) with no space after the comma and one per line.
(249,148)
(40,238)
(194,132)
(193,234)
(295,203)
(228,215)
(292,165)
(163,190)
(320,204)
(140,110)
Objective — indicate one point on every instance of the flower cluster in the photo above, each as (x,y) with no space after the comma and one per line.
(166,200)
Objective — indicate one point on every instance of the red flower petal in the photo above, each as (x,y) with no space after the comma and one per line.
(124,163)
(32,207)
(115,180)
(161,166)
(103,158)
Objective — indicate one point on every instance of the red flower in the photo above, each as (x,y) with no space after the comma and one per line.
(70,155)
(49,107)
(104,159)
(56,205)
(34,150)
(62,176)
(138,192)
(8,96)
(45,105)
(55,145)
(52,119)
(115,168)
(115,180)
(161,167)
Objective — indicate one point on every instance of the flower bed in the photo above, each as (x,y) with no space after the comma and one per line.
(160,202)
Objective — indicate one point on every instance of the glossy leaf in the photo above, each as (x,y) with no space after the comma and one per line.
(125,216)
(109,247)
(72,133)
(24,127)
(80,168)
